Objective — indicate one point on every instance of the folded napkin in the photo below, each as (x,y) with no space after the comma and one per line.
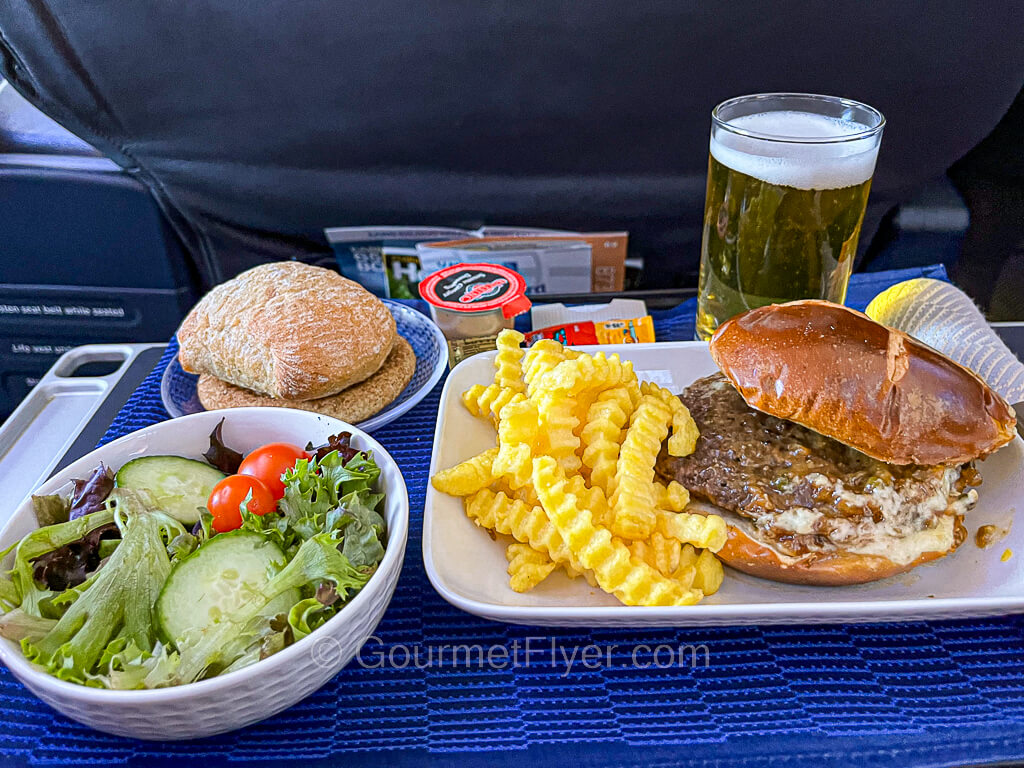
(944,317)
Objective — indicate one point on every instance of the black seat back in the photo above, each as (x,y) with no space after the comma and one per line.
(255,125)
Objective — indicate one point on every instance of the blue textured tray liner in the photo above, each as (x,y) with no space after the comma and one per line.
(928,693)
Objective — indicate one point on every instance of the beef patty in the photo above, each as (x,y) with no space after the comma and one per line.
(802,490)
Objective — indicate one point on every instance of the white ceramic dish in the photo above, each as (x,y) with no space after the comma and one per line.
(468,569)
(256,692)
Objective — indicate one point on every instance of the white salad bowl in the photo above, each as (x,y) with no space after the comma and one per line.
(256,692)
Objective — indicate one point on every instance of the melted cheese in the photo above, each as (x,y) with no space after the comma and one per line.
(900,550)
(904,531)
(906,549)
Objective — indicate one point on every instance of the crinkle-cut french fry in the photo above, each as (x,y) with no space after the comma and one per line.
(469,476)
(557,425)
(487,402)
(518,430)
(512,463)
(629,578)
(633,499)
(584,373)
(672,497)
(683,440)
(685,434)
(508,362)
(704,531)
(529,525)
(581,409)
(471,398)
(709,573)
(572,573)
(526,566)
(590,498)
(621,395)
(541,566)
(688,556)
(633,390)
(707,569)
(659,552)
(519,423)
(602,434)
(542,357)
(525,494)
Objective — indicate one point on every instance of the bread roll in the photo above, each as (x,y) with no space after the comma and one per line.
(838,372)
(355,404)
(287,330)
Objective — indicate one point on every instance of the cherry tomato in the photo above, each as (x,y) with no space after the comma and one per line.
(269,462)
(227,498)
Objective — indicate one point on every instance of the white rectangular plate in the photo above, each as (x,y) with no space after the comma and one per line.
(468,568)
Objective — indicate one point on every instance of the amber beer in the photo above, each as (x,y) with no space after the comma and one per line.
(786,192)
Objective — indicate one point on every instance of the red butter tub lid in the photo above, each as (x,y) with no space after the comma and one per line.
(476,288)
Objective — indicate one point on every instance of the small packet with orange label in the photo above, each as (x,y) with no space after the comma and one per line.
(638,330)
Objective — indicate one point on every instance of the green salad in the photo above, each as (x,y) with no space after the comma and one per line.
(173,570)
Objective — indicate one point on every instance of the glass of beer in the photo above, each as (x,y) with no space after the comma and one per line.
(788,180)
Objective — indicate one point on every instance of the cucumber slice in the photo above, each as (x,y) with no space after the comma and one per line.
(181,487)
(216,580)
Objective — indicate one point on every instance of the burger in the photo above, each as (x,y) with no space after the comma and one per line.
(839,451)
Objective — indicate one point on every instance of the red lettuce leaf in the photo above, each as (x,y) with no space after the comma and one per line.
(219,455)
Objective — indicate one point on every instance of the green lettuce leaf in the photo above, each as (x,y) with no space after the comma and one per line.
(181,546)
(10,597)
(17,625)
(32,598)
(51,510)
(362,533)
(116,602)
(218,647)
(314,491)
(125,666)
(306,615)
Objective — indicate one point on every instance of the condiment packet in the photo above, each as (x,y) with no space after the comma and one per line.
(637,330)
(545,315)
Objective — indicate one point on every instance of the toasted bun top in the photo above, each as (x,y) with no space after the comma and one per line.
(838,372)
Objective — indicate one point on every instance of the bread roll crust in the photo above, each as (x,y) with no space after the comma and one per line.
(838,372)
(287,330)
(355,404)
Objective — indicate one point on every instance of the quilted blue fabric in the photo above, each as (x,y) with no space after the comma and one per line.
(921,693)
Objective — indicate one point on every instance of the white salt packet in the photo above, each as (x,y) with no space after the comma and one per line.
(546,315)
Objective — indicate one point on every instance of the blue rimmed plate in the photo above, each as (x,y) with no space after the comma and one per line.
(178,387)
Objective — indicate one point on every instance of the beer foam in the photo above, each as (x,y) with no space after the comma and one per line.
(800,165)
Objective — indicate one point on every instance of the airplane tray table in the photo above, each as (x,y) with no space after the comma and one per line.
(912,693)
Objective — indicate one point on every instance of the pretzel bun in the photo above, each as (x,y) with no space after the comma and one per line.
(745,552)
(836,371)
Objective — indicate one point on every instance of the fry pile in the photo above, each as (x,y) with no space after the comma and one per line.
(572,480)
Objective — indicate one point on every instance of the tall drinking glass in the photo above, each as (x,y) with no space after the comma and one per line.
(788,181)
